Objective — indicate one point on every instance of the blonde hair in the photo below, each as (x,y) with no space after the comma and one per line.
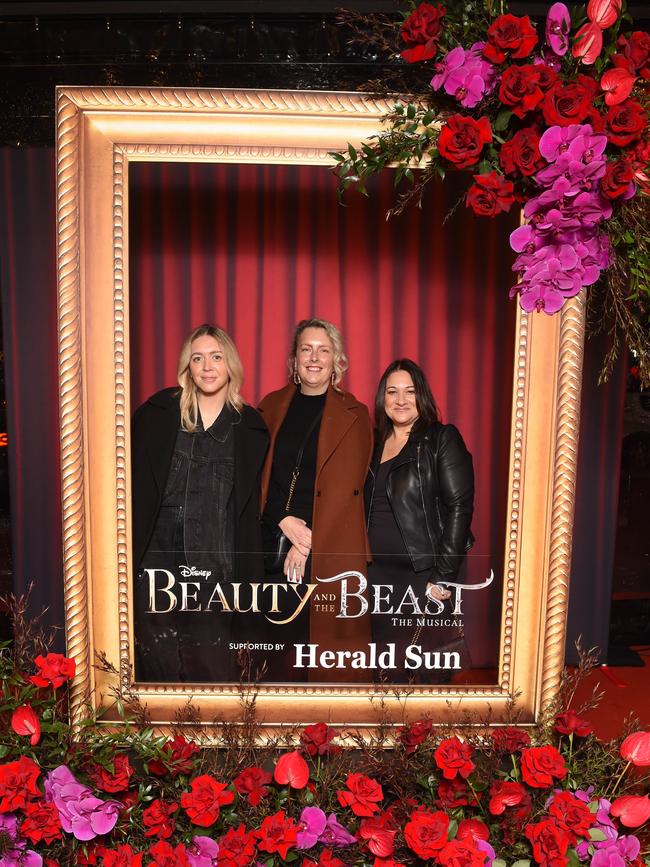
(340,358)
(189,401)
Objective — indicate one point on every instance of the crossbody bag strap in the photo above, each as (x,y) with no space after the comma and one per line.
(296,470)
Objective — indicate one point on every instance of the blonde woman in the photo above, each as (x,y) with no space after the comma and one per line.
(197,454)
(313,521)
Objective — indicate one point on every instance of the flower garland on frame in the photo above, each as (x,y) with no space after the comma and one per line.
(551,794)
(555,120)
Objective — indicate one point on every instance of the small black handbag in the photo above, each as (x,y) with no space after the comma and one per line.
(276,554)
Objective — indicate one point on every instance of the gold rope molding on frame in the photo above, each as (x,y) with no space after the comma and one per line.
(572,332)
(209,100)
(70,385)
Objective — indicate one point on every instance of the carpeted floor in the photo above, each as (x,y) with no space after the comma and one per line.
(626,693)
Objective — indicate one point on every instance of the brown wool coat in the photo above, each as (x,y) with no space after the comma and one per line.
(339,538)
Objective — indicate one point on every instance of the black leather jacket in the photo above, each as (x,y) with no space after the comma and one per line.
(432,498)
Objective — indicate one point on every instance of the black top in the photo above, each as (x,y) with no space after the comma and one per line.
(302,411)
(200,484)
(153,439)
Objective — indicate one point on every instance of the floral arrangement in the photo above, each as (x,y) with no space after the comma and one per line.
(553,118)
(473,796)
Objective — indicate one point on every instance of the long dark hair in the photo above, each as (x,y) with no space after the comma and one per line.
(428,412)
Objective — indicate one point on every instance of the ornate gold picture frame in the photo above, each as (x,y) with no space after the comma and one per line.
(99,132)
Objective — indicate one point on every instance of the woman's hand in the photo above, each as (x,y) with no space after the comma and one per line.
(294,565)
(435,591)
(298,533)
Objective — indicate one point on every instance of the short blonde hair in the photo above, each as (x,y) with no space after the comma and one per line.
(340,358)
(189,401)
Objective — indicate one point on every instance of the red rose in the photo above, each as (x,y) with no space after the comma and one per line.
(116,780)
(277,834)
(41,822)
(635,56)
(565,104)
(462,139)
(472,829)
(507,794)
(453,757)
(203,803)
(122,856)
(426,834)
(625,123)
(491,194)
(509,35)
(236,848)
(362,796)
(461,853)
(571,815)
(636,749)
(632,810)
(421,31)
(510,739)
(158,819)
(316,740)
(252,782)
(547,76)
(165,855)
(25,722)
(178,758)
(453,793)
(520,89)
(292,770)
(414,734)
(540,766)
(550,843)
(18,784)
(569,722)
(53,669)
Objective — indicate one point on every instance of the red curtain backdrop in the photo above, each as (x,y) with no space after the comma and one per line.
(189,234)
(257,248)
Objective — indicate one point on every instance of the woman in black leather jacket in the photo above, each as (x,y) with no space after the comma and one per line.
(419,502)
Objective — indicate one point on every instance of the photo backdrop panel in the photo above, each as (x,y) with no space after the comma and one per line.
(257,248)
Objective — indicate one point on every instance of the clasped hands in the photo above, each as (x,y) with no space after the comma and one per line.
(299,534)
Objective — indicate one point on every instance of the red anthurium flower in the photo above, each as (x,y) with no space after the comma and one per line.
(291,770)
(632,810)
(506,794)
(25,722)
(588,43)
(617,84)
(381,840)
(636,749)
(604,12)
(54,669)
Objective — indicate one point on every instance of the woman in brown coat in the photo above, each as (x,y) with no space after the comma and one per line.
(313,521)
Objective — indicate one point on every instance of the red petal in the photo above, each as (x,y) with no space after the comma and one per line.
(617,84)
(588,43)
(293,770)
(604,12)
